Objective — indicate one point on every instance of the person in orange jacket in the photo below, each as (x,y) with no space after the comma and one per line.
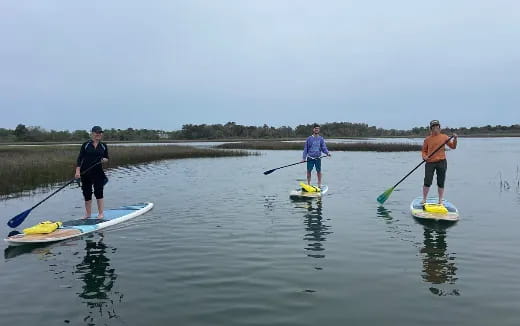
(437,162)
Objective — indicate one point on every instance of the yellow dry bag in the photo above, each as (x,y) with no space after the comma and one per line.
(435,208)
(42,228)
(309,188)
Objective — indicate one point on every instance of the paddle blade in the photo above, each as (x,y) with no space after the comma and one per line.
(384,196)
(269,171)
(18,219)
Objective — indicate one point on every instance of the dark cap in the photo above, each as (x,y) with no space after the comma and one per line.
(434,123)
(316,125)
(97,129)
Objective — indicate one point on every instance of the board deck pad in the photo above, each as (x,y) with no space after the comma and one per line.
(300,194)
(84,221)
(74,228)
(417,210)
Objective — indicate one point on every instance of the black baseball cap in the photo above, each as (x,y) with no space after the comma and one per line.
(316,125)
(434,123)
(97,129)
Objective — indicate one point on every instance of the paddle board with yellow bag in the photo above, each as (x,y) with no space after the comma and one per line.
(307,191)
(432,210)
(49,231)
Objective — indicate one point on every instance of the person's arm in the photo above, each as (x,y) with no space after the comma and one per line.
(305,150)
(324,148)
(425,150)
(105,154)
(79,161)
(453,142)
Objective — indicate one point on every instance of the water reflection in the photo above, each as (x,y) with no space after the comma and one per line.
(97,277)
(397,229)
(438,265)
(385,214)
(315,227)
(38,249)
(439,269)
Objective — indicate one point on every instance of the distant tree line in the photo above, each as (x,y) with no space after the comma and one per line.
(22,133)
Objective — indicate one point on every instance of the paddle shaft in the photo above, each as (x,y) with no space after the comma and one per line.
(281,167)
(312,159)
(61,188)
(418,165)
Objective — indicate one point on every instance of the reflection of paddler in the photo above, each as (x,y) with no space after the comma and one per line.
(316,230)
(95,271)
(99,279)
(438,266)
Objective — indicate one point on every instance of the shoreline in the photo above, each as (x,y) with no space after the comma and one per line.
(350,147)
(216,140)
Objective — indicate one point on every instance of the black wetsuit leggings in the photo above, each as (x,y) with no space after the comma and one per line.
(96,179)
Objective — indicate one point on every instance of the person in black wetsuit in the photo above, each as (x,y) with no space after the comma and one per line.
(92,153)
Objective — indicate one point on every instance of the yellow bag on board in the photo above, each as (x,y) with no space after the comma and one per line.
(435,208)
(43,228)
(309,188)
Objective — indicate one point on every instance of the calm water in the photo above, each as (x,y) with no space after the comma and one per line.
(224,245)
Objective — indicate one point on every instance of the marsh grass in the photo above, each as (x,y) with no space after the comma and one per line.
(25,168)
(358,147)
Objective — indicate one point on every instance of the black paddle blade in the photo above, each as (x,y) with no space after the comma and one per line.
(269,171)
(18,219)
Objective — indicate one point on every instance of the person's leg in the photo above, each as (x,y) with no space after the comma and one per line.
(86,188)
(318,171)
(428,178)
(425,191)
(88,208)
(441,194)
(441,178)
(310,166)
(101,206)
(98,192)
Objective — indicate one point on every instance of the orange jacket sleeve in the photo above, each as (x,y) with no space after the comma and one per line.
(452,143)
(425,149)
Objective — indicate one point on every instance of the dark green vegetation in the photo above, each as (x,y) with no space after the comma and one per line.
(355,147)
(231,130)
(24,168)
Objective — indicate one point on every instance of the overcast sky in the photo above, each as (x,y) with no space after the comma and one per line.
(161,64)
